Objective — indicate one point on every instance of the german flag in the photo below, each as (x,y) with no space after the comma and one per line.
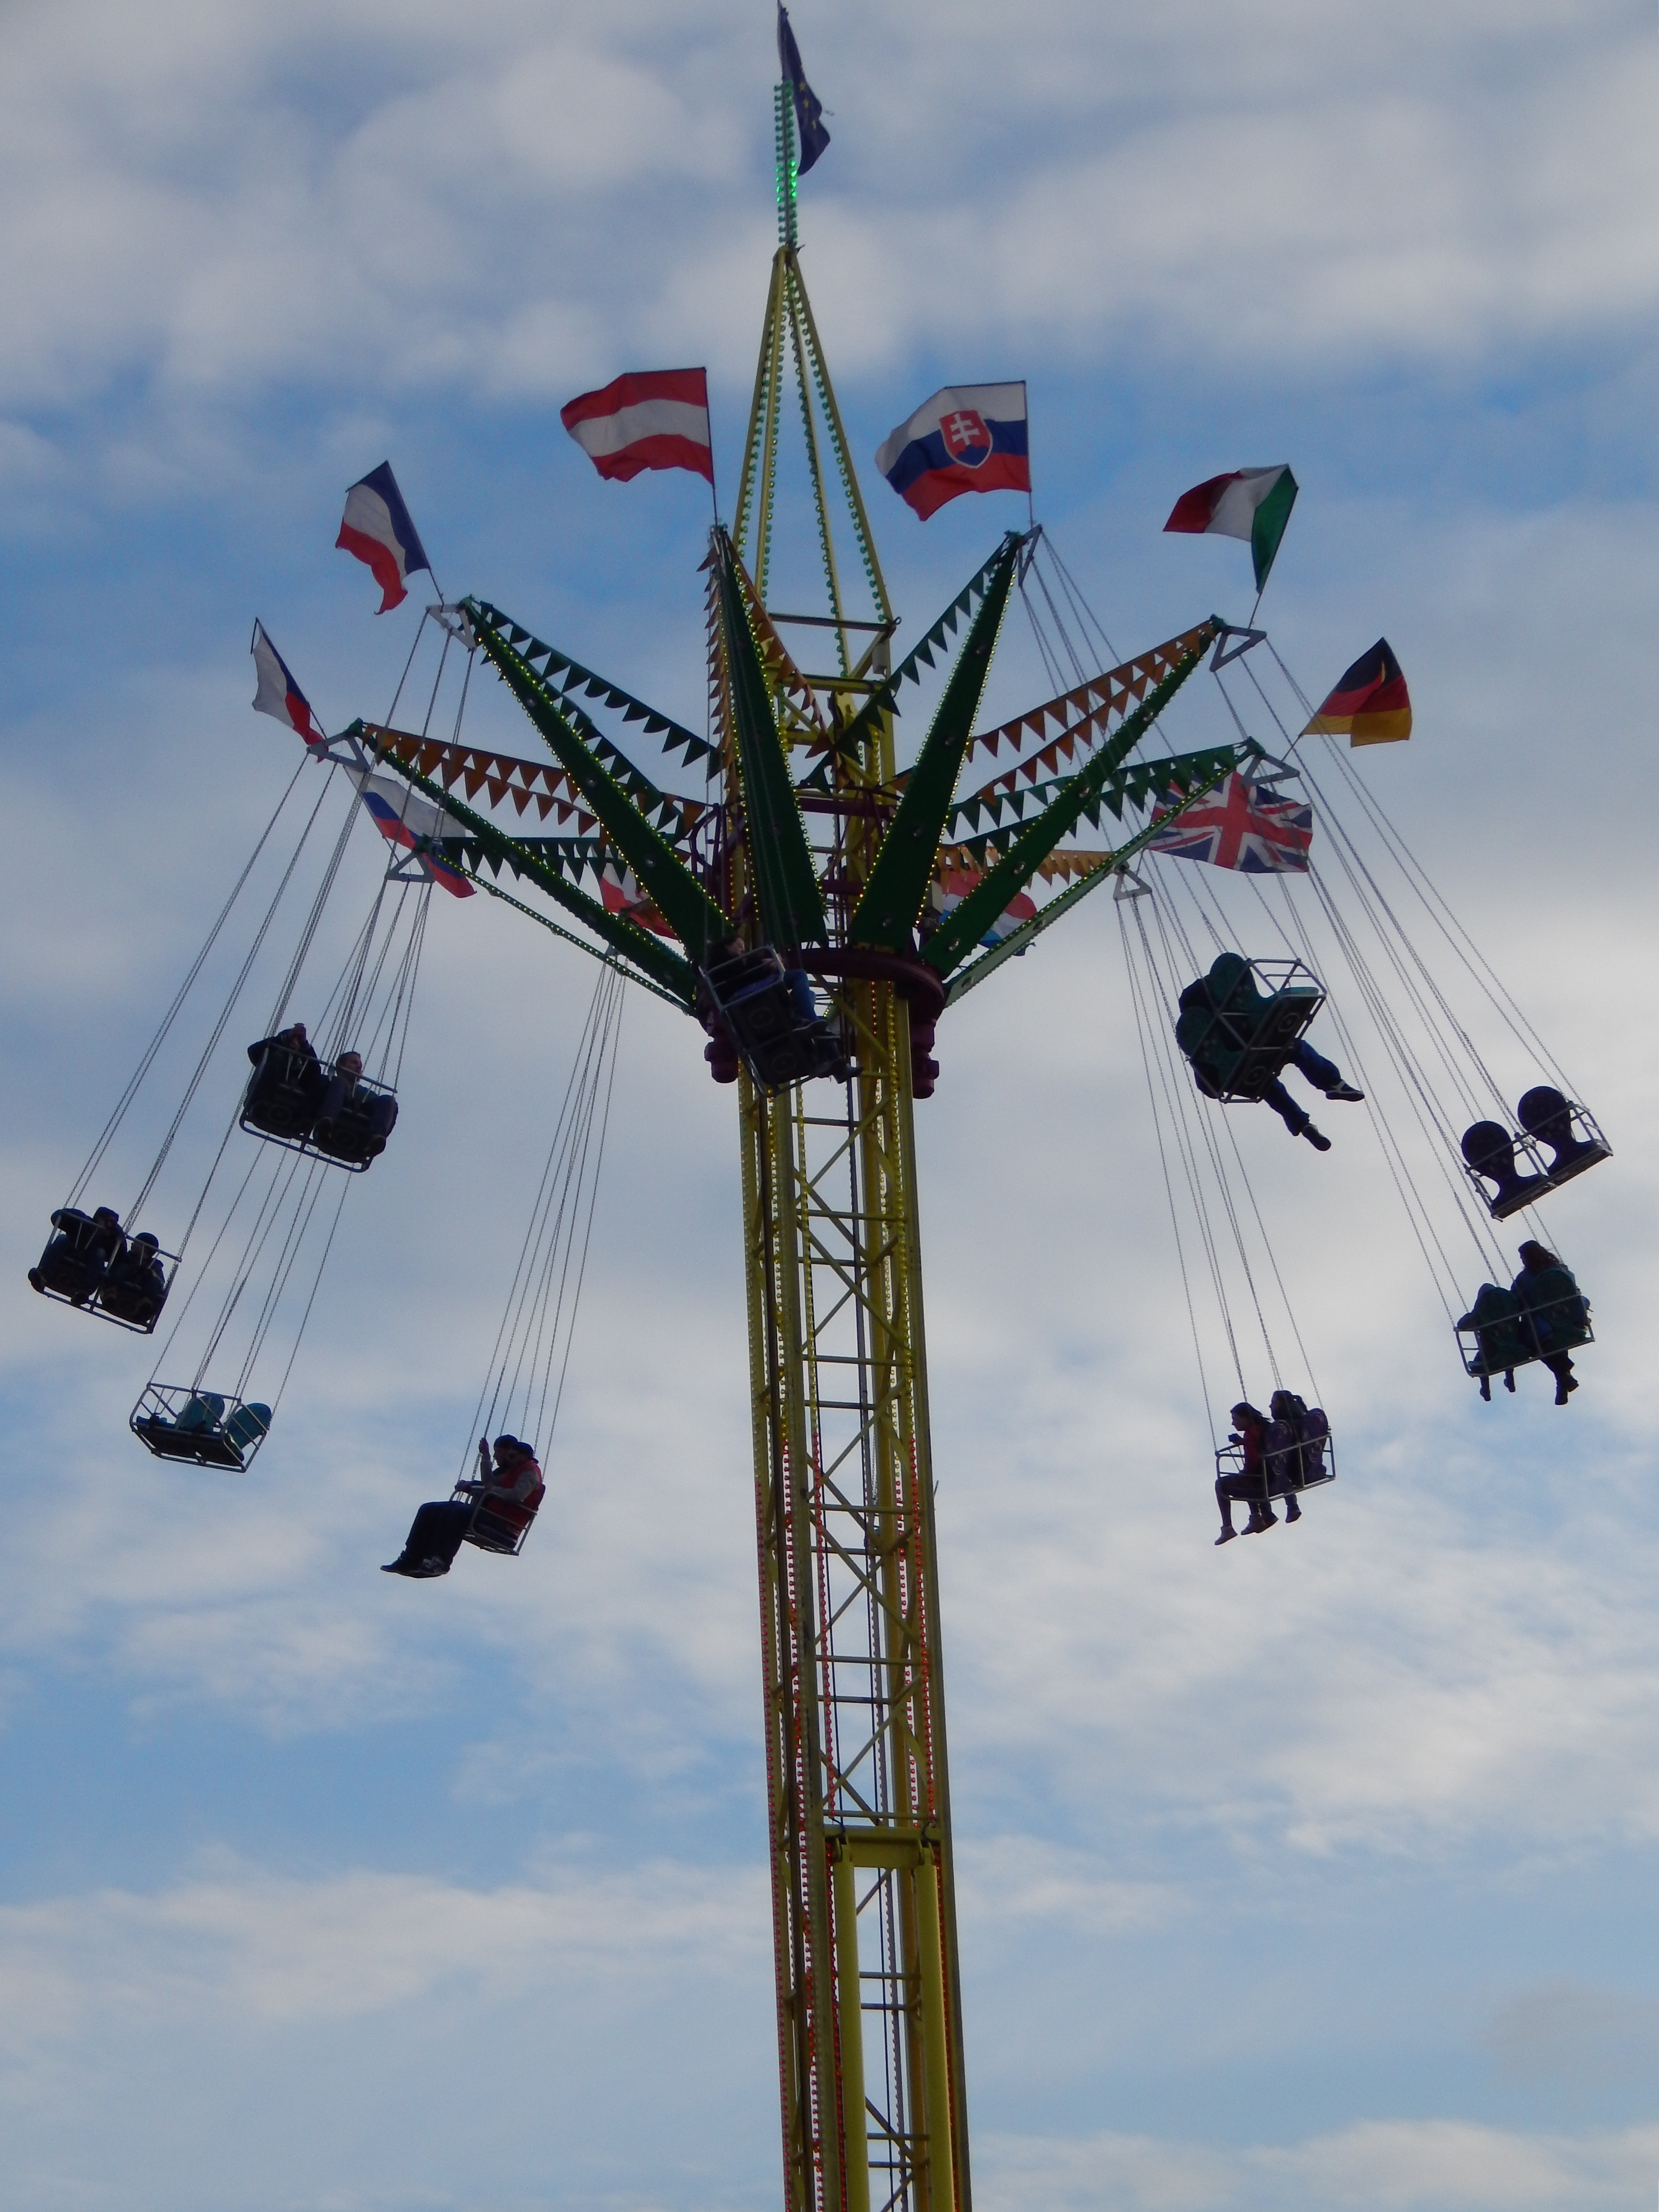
(1370,705)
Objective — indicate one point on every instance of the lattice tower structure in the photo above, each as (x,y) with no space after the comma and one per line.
(812,843)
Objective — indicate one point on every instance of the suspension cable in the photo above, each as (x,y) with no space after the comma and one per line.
(220,1026)
(551,1222)
(1168,1187)
(156,1043)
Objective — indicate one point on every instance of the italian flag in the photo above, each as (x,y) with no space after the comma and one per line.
(1254,504)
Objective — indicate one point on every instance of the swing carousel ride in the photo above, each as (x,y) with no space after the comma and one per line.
(816,911)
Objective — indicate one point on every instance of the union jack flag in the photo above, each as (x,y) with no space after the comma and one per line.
(1241,826)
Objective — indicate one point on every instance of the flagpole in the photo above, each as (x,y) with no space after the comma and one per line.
(1030,499)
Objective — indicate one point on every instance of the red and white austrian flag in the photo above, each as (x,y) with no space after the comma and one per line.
(655,419)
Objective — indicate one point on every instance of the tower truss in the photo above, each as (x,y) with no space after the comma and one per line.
(812,844)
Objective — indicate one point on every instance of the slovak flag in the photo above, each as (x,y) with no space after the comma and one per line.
(655,419)
(403,817)
(949,891)
(969,437)
(1241,825)
(277,694)
(376,527)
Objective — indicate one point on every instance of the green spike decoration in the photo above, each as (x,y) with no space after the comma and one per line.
(886,913)
(814,841)
(622,936)
(681,900)
(791,904)
(962,930)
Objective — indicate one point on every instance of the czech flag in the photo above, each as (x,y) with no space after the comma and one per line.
(277,694)
(1254,504)
(949,891)
(620,891)
(1370,705)
(969,437)
(655,419)
(404,819)
(376,527)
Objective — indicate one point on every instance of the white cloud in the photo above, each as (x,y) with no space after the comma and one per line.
(342,200)
(243,1948)
(1401,2165)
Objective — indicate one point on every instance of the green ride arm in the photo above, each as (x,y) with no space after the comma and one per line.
(1211,769)
(891,898)
(864,723)
(670,968)
(956,936)
(780,858)
(678,896)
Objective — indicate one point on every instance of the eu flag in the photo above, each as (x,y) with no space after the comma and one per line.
(809,108)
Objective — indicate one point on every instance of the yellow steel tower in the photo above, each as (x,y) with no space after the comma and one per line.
(815,860)
(870,2050)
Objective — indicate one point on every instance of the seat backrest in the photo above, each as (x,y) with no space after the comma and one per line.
(1316,1435)
(1543,1113)
(247,1424)
(1279,1450)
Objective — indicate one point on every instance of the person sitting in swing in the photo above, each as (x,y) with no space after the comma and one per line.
(510,1491)
(287,1083)
(1222,1015)
(375,1112)
(80,1254)
(136,1288)
(1282,1449)
(1249,1429)
(1557,1310)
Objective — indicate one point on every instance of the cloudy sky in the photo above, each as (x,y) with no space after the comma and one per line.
(1315,1873)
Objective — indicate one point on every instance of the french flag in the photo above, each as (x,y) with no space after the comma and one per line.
(277,694)
(969,437)
(403,817)
(376,527)
(655,419)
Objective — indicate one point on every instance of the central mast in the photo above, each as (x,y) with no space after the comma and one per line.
(864,1915)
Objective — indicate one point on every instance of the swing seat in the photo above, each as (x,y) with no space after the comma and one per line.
(494,1532)
(1557,1311)
(176,1422)
(1500,1333)
(1570,1134)
(493,1529)
(1291,1464)
(765,1011)
(1239,1024)
(283,1096)
(355,1136)
(83,1265)
(1489,1155)
(286,1100)
(135,1288)
(1557,1141)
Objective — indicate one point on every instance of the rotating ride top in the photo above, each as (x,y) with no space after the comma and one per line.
(817,913)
